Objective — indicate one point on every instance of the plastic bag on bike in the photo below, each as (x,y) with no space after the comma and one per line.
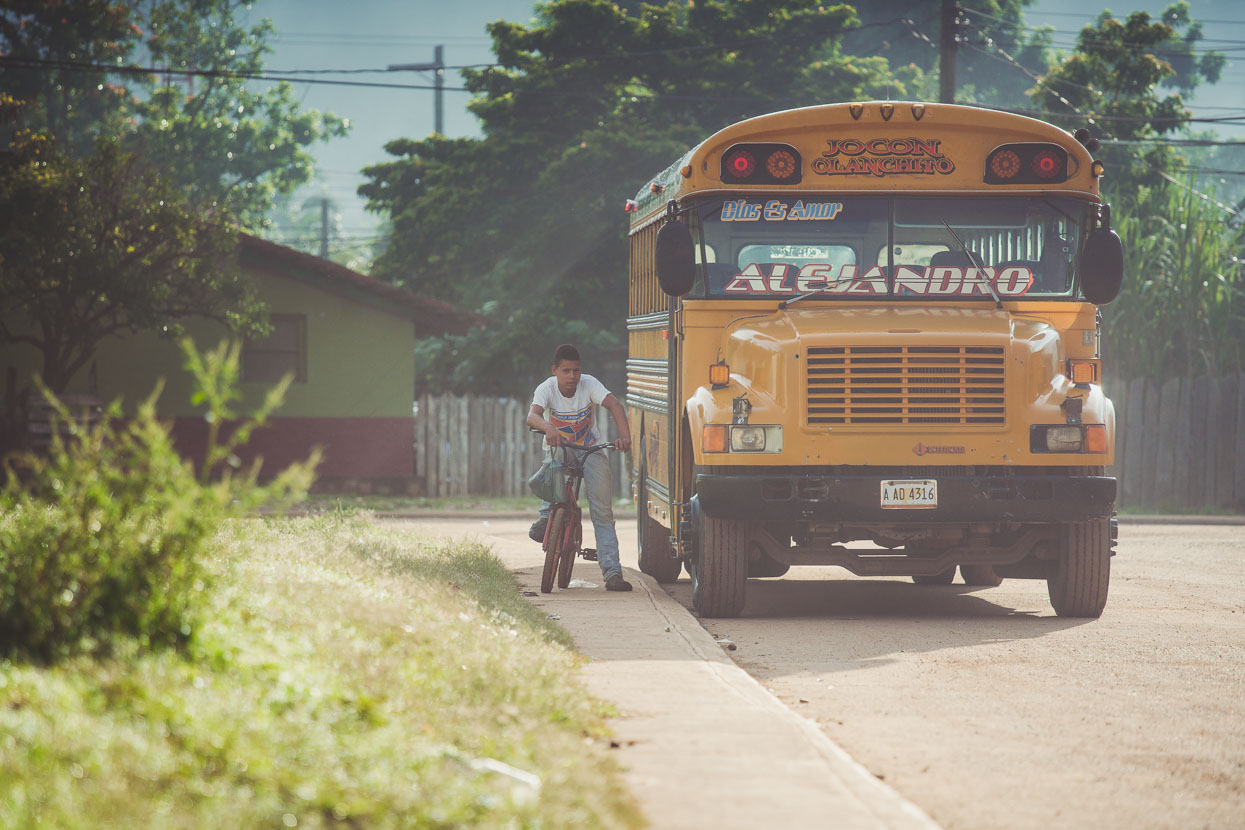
(549,482)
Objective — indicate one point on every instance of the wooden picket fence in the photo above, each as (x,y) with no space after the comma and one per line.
(480,446)
(1180,443)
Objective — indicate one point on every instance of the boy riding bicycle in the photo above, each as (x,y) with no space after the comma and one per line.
(562,408)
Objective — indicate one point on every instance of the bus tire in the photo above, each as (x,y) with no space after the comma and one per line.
(982,575)
(653,543)
(720,575)
(941,578)
(1079,577)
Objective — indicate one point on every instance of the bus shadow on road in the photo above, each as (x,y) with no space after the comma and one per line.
(858,598)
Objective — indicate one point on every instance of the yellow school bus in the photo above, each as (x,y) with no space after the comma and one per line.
(874,323)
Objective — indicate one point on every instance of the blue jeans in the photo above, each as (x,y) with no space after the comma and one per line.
(597,482)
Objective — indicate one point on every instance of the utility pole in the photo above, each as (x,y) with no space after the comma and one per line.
(324,229)
(437,67)
(946,53)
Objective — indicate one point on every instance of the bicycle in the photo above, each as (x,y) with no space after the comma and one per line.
(564,531)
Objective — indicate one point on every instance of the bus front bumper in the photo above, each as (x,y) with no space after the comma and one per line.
(857,499)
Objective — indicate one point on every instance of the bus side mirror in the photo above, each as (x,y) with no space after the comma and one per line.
(675,257)
(1102,266)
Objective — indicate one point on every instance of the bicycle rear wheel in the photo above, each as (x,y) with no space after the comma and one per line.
(553,547)
(568,550)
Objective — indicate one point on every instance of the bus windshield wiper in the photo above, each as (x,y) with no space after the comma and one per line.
(823,286)
(978,265)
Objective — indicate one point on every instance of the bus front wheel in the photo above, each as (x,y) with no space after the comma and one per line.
(720,572)
(1078,579)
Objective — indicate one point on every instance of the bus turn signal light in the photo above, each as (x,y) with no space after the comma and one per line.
(713,438)
(1083,371)
(719,375)
(1095,438)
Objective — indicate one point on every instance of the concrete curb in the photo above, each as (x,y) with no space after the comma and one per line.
(888,807)
(1181,520)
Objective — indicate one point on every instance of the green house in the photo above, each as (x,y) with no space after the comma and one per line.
(348,340)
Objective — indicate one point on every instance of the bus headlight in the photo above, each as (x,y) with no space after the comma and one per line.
(1063,439)
(1088,438)
(754,438)
(748,439)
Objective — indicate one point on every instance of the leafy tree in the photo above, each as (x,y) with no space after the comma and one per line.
(583,106)
(230,146)
(102,245)
(994,43)
(1112,84)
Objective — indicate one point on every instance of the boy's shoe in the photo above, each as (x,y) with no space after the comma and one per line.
(537,531)
(617,583)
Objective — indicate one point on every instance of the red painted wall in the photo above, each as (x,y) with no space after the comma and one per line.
(354,448)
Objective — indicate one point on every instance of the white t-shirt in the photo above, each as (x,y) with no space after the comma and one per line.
(572,416)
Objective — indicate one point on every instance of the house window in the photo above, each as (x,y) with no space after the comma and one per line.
(283,351)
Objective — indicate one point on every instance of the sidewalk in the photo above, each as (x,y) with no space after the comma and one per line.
(702,744)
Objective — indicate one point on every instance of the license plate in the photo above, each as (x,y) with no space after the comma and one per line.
(910,493)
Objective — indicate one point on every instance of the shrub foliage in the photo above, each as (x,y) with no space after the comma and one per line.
(102,535)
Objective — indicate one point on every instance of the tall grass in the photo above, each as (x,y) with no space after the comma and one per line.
(346,675)
(1182,307)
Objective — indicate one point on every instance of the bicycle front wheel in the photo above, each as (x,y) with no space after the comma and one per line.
(553,547)
(568,550)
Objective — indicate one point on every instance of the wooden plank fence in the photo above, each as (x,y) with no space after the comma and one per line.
(1180,444)
(480,446)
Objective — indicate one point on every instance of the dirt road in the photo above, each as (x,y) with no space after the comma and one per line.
(987,711)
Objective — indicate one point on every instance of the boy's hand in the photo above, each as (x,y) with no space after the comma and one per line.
(622,443)
(554,438)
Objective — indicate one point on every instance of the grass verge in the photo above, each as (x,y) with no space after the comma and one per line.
(348,676)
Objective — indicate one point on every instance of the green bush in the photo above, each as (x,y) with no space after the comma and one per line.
(101,537)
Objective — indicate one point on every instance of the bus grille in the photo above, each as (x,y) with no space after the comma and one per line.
(944,385)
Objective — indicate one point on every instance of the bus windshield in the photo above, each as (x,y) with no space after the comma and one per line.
(898,248)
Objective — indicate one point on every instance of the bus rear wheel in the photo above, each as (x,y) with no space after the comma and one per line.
(941,578)
(656,558)
(1079,577)
(982,575)
(720,573)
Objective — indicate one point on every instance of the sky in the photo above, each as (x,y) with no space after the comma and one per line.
(317,34)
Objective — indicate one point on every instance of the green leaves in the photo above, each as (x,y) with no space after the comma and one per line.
(106,245)
(1182,310)
(588,102)
(101,538)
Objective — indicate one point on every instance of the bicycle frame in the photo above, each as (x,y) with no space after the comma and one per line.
(560,553)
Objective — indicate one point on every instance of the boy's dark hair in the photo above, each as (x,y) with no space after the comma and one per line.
(565,352)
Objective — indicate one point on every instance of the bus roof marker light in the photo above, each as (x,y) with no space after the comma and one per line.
(918,111)
(856,110)
(888,110)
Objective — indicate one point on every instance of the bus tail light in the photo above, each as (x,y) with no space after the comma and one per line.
(713,438)
(761,164)
(1095,438)
(1027,163)
(740,164)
